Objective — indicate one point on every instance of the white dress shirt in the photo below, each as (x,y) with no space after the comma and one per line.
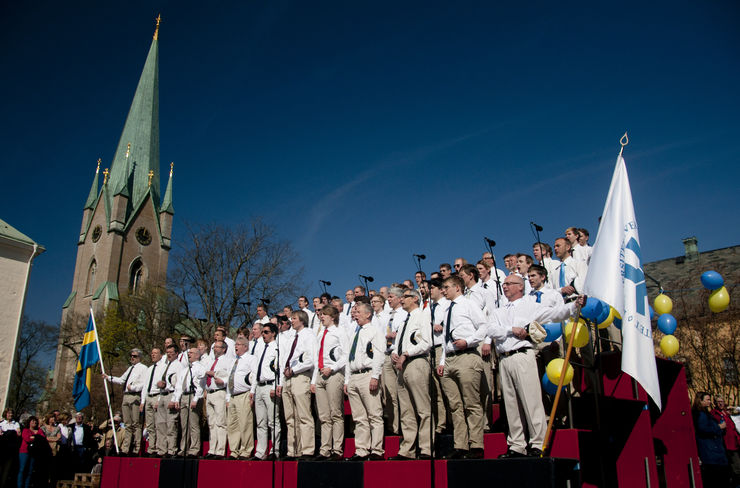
(221,368)
(395,319)
(335,351)
(575,272)
(136,376)
(368,352)
(241,368)
(468,322)
(304,354)
(185,381)
(414,335)
(440,314)
(265,363)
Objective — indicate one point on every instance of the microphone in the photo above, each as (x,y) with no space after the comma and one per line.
(538,228)
(490,242)
(420,256)
(367,278)
(327,283)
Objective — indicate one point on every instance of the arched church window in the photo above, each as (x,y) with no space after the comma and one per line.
(136,278)
(90,287)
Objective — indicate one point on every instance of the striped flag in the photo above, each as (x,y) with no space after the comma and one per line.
(88,358)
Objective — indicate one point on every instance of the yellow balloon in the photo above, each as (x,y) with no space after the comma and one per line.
(555,368)
(719,300)
(608,320)
(581,333)
(617,315)
(669,345)
(662,304)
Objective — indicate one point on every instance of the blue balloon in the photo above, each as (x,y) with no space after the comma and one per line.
(652,312)
(712,280)
(593,308)
(667,324)
(548,385)
(617,323)
(605,310)
(554,331)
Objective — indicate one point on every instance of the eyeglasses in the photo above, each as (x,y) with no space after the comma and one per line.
(265,332)
(134,355)
(408,296)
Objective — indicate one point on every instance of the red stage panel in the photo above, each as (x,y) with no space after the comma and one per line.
(111,472)
(391,444)
(217,474)
(494,445)
(565,444)
(404,473)
(133,472)
(631,461)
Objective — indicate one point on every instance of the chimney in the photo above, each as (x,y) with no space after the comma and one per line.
(692,250)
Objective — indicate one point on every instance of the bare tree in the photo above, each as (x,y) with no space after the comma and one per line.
(219,269)
(37,340)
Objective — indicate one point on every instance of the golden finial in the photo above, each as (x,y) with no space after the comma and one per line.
(151,173)
(97,170)
(156,29)
(172,166)
(128,149)
(623,141)
(105,176)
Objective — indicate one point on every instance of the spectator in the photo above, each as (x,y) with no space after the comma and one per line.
(731,436)
(714,468)
(32,440)
(10,432)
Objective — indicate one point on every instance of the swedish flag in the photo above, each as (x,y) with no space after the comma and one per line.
(88,358)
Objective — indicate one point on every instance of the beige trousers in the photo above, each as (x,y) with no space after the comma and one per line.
(522,393)
(166,426)
(267,411)
(461,384)
(440,421)
(330,406)
(367,412)
(240,425)
(298,417)
(190,426)
(150,420)
(130,412)
(486,387)
(390,395)
(216,412)
(413,398)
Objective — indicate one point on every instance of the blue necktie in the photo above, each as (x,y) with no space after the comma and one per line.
(562,274)
(539,296)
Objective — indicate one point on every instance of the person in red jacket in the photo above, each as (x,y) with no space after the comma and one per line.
(26,459)
(731,436)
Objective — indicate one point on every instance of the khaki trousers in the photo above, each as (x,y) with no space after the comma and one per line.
(461,384)
(216,412)
(522,393)
(240,426)
(413,398)
(367,412)
(298,418)
(166,423)
(150,419)
(130,412)
(486,387)
(440,421)
(190,425)
(267,411)
(330,406)
(390,394)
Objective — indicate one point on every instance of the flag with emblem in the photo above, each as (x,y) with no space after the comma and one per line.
(615,276)
(89,356)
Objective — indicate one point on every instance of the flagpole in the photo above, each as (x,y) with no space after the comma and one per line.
(105,382)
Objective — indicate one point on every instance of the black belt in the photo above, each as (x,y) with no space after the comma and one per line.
(515,351)
(363,370)
(469,350)
(188,392)
(265,383)
(425,356)
(135,393)
(237,394)
(155,394)
(217,389)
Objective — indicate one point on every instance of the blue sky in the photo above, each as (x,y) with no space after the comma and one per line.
(369,131)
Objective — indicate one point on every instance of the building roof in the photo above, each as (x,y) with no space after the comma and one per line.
(7,231)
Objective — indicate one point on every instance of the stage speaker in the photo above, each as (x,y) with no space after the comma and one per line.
(178,473)
(330,474)
(535,472)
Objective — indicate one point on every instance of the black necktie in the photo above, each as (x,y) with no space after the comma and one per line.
(259,366)
(125,382)
(485,285)
(434,307)
(448,333)
(164,376)
(254,346)
(403,331)
(151,379)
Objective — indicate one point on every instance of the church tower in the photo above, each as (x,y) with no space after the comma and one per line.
(126,229)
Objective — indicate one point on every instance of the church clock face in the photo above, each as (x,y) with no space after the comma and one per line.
(143,236)
(96,233)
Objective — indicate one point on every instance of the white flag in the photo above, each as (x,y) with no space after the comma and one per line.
(615,276)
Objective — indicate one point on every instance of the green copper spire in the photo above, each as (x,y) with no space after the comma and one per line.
(93,196)
(167,202)
(138,148)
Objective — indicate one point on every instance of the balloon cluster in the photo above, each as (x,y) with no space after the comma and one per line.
(719,298)
(662,307)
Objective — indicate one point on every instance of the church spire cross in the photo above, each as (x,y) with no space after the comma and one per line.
(105,176)
(156,29)
(97,170)
(151,173)
(128,150)
(172,167)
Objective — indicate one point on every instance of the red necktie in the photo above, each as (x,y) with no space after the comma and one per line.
(213,366)
(321,350)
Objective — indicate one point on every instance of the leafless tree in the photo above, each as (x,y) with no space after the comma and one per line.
(28,379)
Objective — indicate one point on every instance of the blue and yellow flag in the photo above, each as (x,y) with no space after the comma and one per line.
(88,358)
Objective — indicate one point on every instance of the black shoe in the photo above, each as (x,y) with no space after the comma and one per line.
(271,457)
(511,454)
(457,454)
(424,457)
(401,458)
(306,457)
(336,457)
(475,453)
(357,458)
(534,452)
(376,457)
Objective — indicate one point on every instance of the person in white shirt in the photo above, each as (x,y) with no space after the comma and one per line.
(205,354)
(188,399)
(216,377)
(133,381)
(313,320)
(185,343)
(520,382)
(296,371)
(361,385)
(380,315)
(542,252)
(523,262)
(587,250)
(410,357)
(488,280)
(579,252)
(266,406)
(570,274)
(327,384)
(221,334)
(349,295)
(240,419)
(390,384)
(510,263)
(438,312)
(262,314)
(149,399)
(461,369)
(166,418)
